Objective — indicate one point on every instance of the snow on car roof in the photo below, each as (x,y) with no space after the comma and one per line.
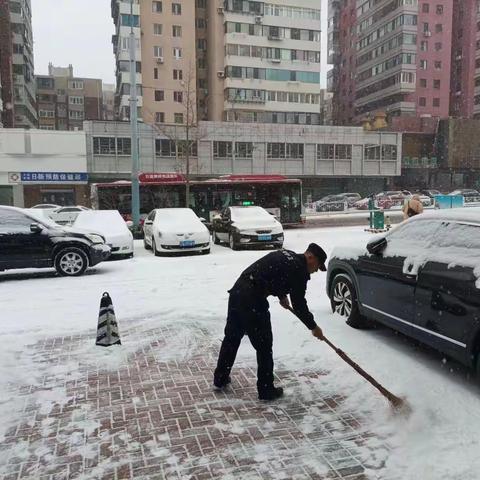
(466,214)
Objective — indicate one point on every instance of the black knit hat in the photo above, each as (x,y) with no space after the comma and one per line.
(318,251)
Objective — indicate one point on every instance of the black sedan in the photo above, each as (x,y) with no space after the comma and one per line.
(421,279)
(27,241)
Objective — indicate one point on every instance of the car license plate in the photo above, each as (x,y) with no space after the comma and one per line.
(264,238)
(187,243)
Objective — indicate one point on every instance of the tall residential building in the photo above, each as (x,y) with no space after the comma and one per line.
(108,102)
(392,56)
(65,101)
(262,63)
(16,64)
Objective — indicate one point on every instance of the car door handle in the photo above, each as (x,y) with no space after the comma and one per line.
(411,276)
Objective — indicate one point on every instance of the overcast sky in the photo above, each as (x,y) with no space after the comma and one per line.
(80,31)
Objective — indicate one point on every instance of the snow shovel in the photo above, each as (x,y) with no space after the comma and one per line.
(397,402)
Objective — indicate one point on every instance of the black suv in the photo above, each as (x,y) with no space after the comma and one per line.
(421,278)
(30,242)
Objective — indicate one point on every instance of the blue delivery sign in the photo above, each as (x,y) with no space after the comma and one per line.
(54,177)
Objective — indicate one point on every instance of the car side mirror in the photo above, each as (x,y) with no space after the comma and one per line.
(35,228)
(203,220)
(148,222)
(377,246)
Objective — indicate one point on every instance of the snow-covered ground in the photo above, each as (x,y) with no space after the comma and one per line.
(439,440)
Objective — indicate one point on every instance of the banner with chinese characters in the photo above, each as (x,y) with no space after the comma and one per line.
(53,177)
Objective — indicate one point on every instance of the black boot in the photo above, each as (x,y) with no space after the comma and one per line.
(271,393)
(218,385)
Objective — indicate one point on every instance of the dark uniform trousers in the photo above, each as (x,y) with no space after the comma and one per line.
(248,314)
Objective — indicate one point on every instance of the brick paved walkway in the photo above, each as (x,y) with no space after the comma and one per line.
(157,418)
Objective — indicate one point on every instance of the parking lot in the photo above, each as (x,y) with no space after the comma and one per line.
(70,409)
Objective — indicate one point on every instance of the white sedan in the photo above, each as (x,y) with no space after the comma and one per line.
(111,225)
(173,230)
(67,215)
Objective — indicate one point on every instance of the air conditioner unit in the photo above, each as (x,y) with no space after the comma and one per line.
(160,60)
(258,19)
(427,34)
(220,10)
(221,74)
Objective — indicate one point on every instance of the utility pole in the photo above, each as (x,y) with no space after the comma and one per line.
(134,125)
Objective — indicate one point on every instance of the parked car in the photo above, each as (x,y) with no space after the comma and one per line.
(421,279)
(247,227)
(173,230)
(46,207)
(111,225)
(470,195)
(30,241)
(66,215)
(431,193)
(352,198)
(332,203)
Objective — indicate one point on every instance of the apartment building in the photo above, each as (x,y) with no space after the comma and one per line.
(264,61)
(231,60)
(392,56)
(64,101)
(16,64)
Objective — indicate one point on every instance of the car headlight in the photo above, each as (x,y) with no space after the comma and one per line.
(95,238)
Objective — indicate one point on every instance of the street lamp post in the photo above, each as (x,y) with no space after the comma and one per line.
(134,125)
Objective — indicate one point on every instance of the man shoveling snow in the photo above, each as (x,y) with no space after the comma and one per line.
(280,274)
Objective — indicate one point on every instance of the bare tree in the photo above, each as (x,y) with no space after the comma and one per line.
(187,134)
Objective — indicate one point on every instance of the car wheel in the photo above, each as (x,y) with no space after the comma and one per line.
(71,262)
(146,245)
(343,299)
(232,243)
(154,248)
(216,240)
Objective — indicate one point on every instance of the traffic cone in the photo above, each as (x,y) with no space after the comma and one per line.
(107,330)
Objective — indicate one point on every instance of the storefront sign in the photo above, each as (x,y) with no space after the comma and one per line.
(53,177)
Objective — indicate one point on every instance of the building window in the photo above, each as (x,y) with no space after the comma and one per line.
(159,95)
(176,31)
(436,84)
(128,20)
(438,64)
(422,101)
(124,146)
(177,74)
(425,8)
(156,7)
(159,117)
(157,51)
(155,73)
(46,113)
(75,85)
(178,97)
(439,9)
(424,46)
(423,82)
(343,152)
(104,145)
(275,150)
(244,150)
(436,102)
(423,64)
(75,100)
(178,118)
(176,8)
(177,53)
(222,149)
(325,152)
(75,115)
(439,28)
(389,152)
(165,148)
(157,28)
(201,44)
(438,46)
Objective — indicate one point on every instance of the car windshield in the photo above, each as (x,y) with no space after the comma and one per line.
(40,217)
(102,221)
(176,216)
(247,213)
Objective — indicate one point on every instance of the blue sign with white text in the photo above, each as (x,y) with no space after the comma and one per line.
(57,177)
